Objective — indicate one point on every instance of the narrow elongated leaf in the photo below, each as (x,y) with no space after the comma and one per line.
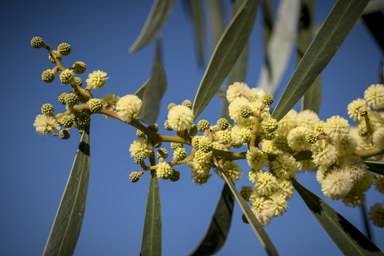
(267,30)
(280,46)
(312,98)
(66,227)
(216,15)
(140,92)
(154,91)
(227,51)
(348,238)
(196,12)
(377,167)
(324,46)
(219,226)
(255,224)
(151,240)
(160,11)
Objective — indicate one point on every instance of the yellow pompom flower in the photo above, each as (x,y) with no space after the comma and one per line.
(345,145)
(265,183)
(128,106)
(46,124)
(376,215)
(200,174)
(284,166)
(231,169)
(96,80)
(355,198)
(278,204)
(375,95)
(234,110)
(257,159)
(378,138)
(354,107)
(141,145)
(296,139)
(164,171)
(237,90)
(337,184)
(336,126)
(180,118)
(240,134)
(324,154)
(379,183)
(307,118)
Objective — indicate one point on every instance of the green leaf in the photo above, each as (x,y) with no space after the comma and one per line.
(160,11)
(151,240)
(225,55)
(377,167)
(154,91)
(219,226)
(196,12)
(140,92)
(348,238)
(328,40)
(312,98)
(255,224)
(267,29)
(216,15)
(374,6)
(66,227)
(280,46)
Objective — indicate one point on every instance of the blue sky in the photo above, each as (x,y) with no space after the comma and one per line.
(35,168)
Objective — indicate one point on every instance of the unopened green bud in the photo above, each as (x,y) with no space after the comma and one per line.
(203,125)
(171,105)
(64,134)
(61,98)
(37,42)
(67,121)
(162,153)
(224,137)
(71,99)
(139,157)
(175,175)
(175,145)
(64,49)
(196,142)
(205,145)
(245,111)
(222,123)
(85,119)
(267,99)
(66,76)
(246,192)
(78,81)
(363,112)
(193,130)
(47,109)
(153,127)
(140,134)
(79,67)
(187,103)
(179,154)
(311,137)
(167,126)
(47,76)
(270,125)
(95,105)
(57,54)
(269,135)
(134,177)
(158,144)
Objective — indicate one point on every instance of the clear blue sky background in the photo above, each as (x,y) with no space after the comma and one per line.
(35,168)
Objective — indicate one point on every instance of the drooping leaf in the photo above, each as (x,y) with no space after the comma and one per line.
(239,70)
(267,30)
(151,240)
(374,6)
(225,55)
(154,91)
(348,238)
(255,224)
(375,23)
(324,46)
(280,46)
(160,11)
(219,227)
(377,167)
(196,12)
(66,227)
(216,15)
(140,92)
(312,98)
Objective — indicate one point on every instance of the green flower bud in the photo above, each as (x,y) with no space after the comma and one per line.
(175,176)
(47,109)
(78,81)
(134,177)
(179,154)
(57,54)
(64,134)
(319,127)
(85,119)
(140,134)
(71,99)
(47,76)
(224,137)
(244,218)
(236,144)
(267,99)
(175,145)
(205,145)
(153,127)
(79,67)
(203,125)
(67,121)
(187,103)
(61,98)
(196,142)
(222,123)
(66,76)
(164,171)
(202,158)
(245,111)
(64,49)
(171,105)
(193,130)
(162,153)
(158,144)
(37,42)
(167,126)
(311,137)
(363,112)
(270,125)
(246,192)
(139,157)
(95,105)
(269,135)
